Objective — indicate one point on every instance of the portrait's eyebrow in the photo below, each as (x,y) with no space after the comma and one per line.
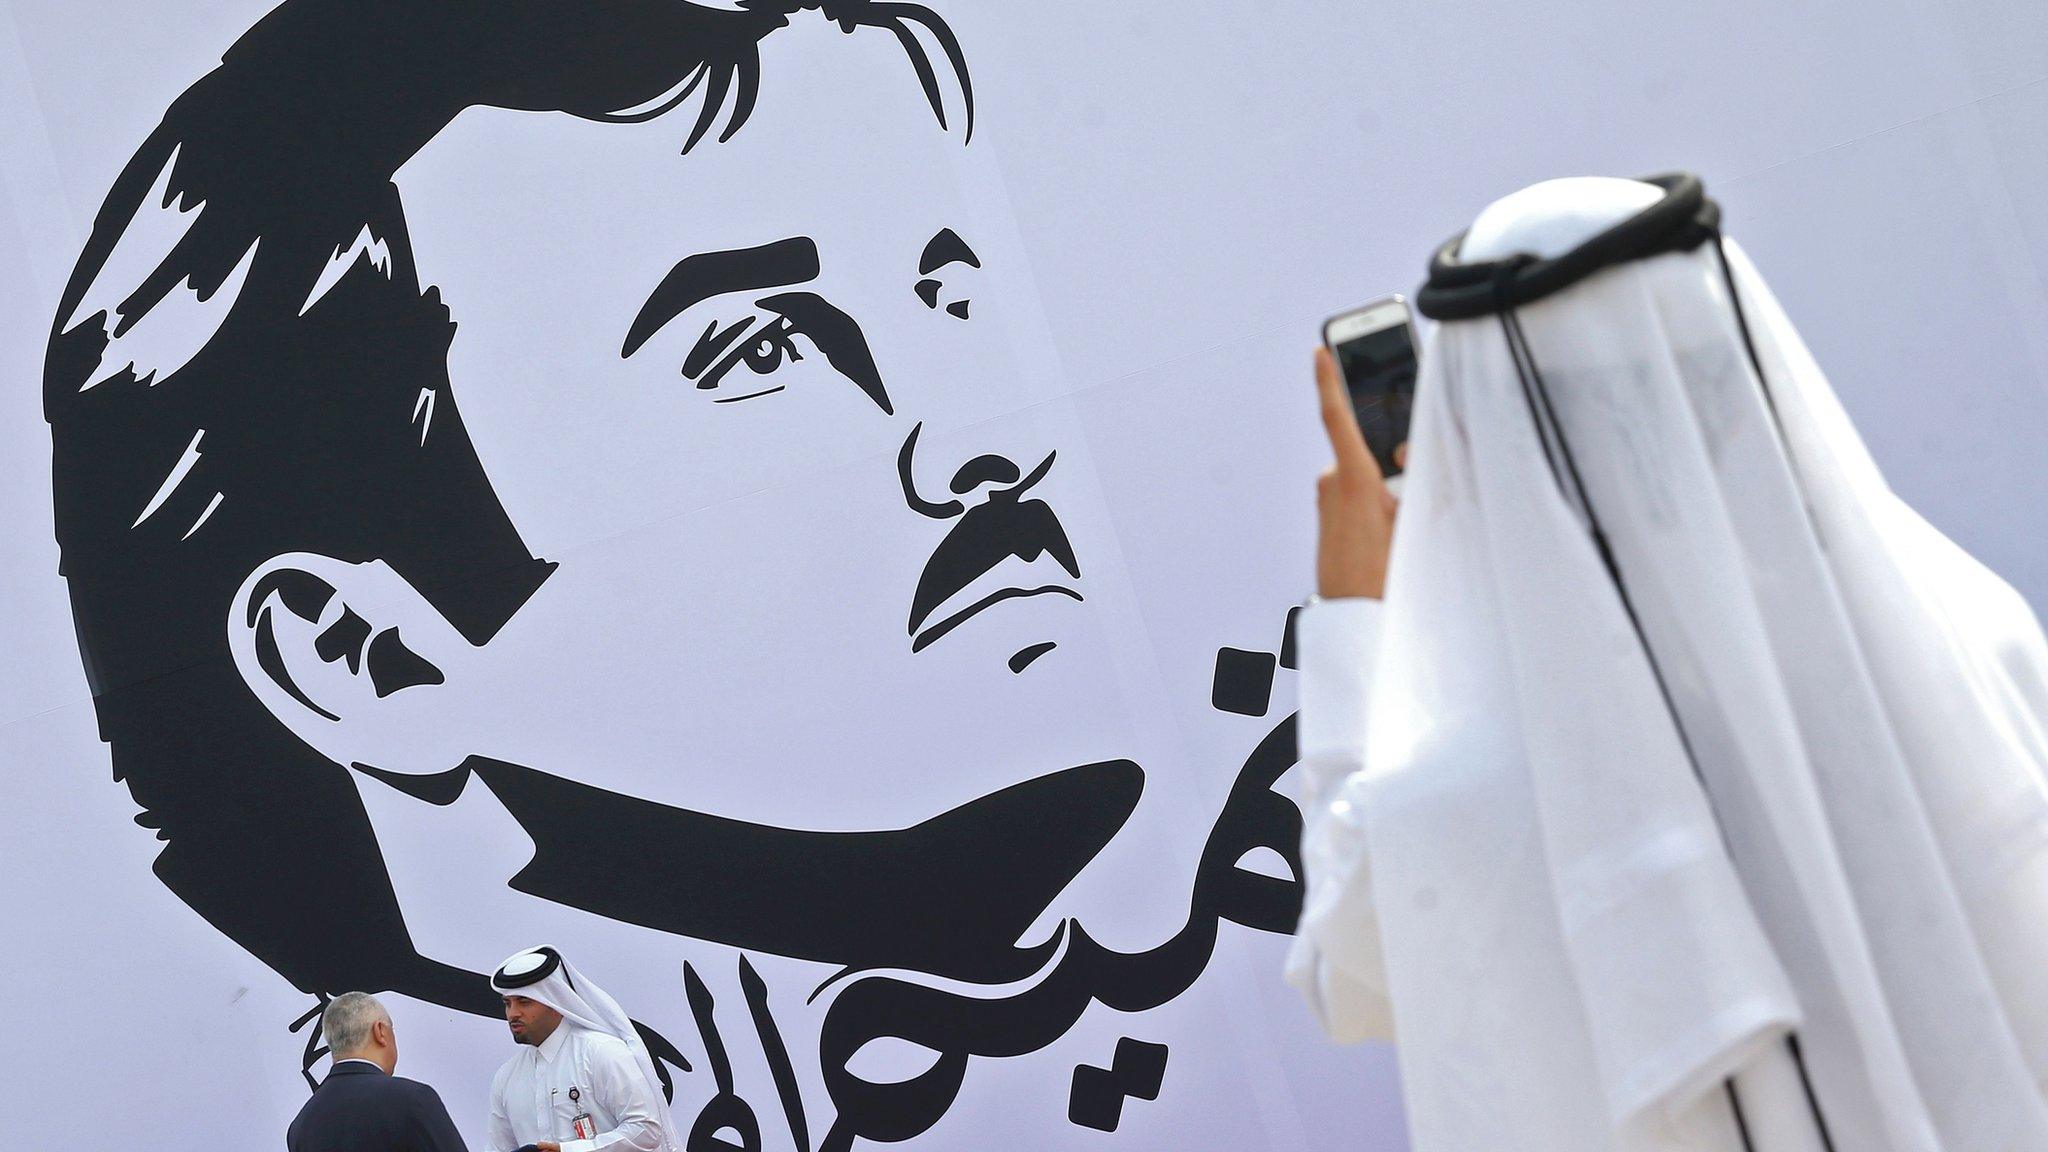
(698,278)
(839,338)
(945,248)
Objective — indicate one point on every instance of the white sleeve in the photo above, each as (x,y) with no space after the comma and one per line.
(1335,958)
(615,1079)
(501,1138)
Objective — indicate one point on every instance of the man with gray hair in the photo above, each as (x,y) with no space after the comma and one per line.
(361,1106)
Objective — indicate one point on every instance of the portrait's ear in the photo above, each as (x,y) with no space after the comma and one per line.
(351,658)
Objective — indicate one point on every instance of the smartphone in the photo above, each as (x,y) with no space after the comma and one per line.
(1375,350)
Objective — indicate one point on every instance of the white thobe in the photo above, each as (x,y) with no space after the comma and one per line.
(1334,960)
(530,1094)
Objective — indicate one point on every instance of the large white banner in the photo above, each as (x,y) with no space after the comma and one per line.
(798,507)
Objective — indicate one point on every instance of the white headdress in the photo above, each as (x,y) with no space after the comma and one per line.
(542,974)
(1688,737)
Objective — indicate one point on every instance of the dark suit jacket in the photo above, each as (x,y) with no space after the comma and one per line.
(360,1109)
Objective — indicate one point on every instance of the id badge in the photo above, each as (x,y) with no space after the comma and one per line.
(586,1128)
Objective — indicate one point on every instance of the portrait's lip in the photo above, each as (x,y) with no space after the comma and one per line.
(926,637)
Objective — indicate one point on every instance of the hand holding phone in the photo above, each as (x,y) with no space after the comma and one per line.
(1374,347)
(1354,509)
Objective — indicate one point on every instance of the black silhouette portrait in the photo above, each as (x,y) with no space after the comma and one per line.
(294,490)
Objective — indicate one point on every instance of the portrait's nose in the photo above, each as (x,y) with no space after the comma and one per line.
(1000,471)
(923,470)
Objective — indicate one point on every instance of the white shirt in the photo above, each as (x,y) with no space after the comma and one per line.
(530,1094)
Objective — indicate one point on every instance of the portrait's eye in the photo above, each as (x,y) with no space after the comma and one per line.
(742,357)
(762,346)
(767,351)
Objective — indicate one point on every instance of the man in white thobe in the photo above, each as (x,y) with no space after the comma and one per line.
(582,1079)
(1704,806)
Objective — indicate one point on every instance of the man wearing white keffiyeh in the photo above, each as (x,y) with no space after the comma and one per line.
(1706,793)
(583,1079)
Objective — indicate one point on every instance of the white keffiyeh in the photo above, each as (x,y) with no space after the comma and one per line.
(1765,800)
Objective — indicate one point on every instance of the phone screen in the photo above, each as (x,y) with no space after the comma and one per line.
(1379,371)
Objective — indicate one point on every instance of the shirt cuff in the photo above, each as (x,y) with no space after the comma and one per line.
(1338,641)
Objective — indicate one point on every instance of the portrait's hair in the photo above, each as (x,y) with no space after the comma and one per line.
(244,364)
(345,1026)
